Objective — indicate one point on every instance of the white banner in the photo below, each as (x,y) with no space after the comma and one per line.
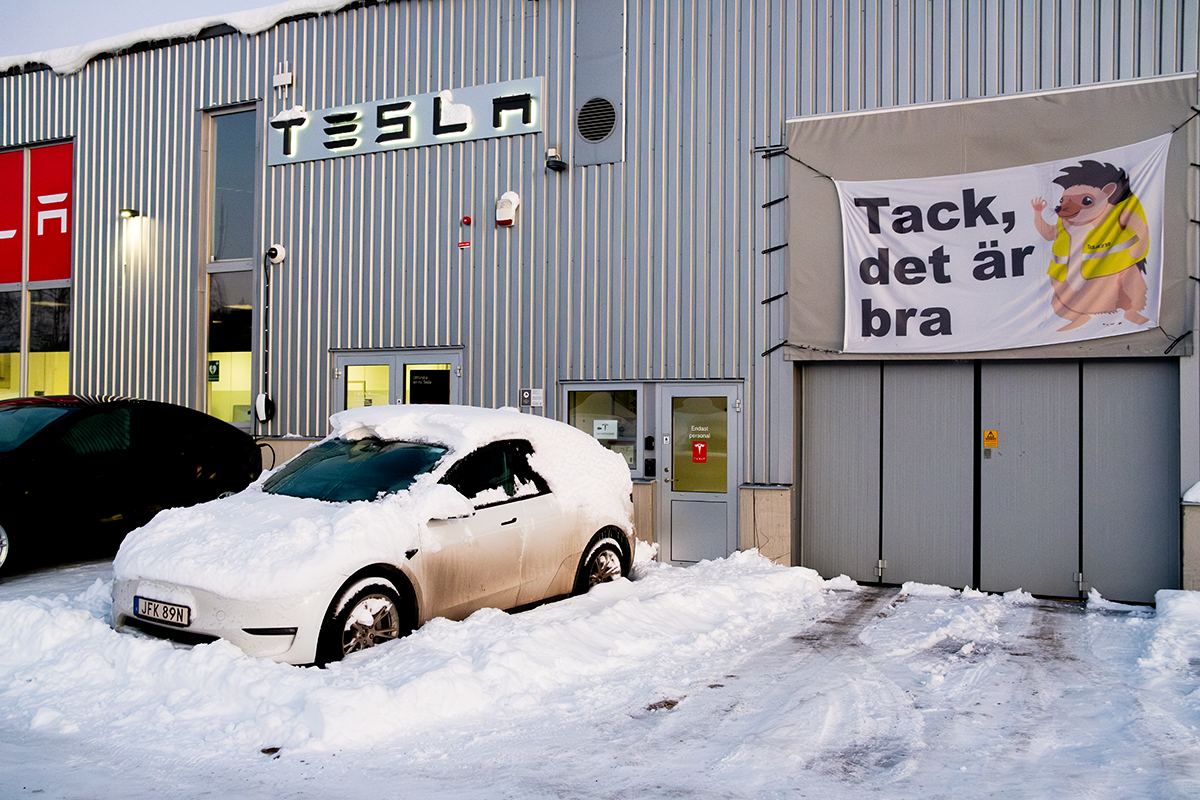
(1041,254)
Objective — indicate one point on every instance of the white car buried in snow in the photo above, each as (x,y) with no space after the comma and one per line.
(403,514)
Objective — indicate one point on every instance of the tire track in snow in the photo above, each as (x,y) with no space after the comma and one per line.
(808,710)
(1017,703)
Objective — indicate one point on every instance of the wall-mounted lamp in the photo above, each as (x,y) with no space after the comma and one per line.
(129,213)
(553,162)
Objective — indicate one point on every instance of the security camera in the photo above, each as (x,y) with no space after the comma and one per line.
(276,253)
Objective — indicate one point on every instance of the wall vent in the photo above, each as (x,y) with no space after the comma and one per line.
(596,120)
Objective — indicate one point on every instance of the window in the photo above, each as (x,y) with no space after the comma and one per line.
(230,333)
(423,376)
(232,255)
(342,471)
(106,431)
(368,385)
(10,345)
(233,186)
(426,383)
(496,473)
(49,341)
(36,186)
(609,415)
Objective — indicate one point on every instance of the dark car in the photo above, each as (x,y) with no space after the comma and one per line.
(78,473)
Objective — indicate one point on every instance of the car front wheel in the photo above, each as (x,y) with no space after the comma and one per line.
(367,613)
(3,547)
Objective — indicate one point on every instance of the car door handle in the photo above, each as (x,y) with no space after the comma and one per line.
(510,522)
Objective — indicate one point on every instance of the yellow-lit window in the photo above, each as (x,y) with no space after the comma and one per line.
(230,314)
(367,385)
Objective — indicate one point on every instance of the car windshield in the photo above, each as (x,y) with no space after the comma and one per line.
(342,471)
(18,425)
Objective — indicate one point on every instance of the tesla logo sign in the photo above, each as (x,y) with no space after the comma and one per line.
(699,452)
(466,114)
(46,232)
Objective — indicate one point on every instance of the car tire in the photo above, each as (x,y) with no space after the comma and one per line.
(366,613)
(604,561)
(4,548)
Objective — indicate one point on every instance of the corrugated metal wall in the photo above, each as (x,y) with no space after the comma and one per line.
(648,269)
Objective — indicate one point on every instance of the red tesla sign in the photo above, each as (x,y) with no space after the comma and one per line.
(699,452)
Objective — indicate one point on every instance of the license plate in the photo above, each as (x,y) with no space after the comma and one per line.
(162,612)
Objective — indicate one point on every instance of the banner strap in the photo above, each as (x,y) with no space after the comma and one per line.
(1195,113)
(1177,340)
(770,350)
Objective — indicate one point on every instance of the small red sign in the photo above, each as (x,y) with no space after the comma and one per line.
(464,244)
(699,452)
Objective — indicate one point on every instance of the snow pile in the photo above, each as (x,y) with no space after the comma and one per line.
(256,545)
(1175,645)
(66,60)
(63,670)
(734,678)
(961,626)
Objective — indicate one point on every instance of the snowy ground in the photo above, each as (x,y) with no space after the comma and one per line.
(733,679)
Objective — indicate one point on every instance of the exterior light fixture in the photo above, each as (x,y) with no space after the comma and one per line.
(553,162)
(129,213)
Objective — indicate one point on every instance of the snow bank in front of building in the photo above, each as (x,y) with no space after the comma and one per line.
(66,60)
(256,545)
(63,670)
(1175,645)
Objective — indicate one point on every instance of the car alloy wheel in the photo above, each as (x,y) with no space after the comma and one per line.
(603,563)
(366,612)
(605,566)
(3,545)
(374,618)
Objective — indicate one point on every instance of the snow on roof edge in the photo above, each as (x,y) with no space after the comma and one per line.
(68,60)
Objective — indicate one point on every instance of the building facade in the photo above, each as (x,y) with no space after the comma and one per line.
(575,207)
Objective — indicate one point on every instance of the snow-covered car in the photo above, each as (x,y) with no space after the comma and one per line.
(402,514)
(78,473)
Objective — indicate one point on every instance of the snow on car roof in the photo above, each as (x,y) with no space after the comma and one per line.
(578,469)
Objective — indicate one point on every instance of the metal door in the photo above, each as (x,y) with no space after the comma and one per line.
(928,480)
(1131,478)
(839,474)
(701,449)
(1029,477)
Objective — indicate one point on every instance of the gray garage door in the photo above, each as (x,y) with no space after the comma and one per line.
(1076,484)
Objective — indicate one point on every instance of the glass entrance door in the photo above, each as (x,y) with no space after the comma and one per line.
(701,448)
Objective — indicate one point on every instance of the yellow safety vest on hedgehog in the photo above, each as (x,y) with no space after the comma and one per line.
(1105,247)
